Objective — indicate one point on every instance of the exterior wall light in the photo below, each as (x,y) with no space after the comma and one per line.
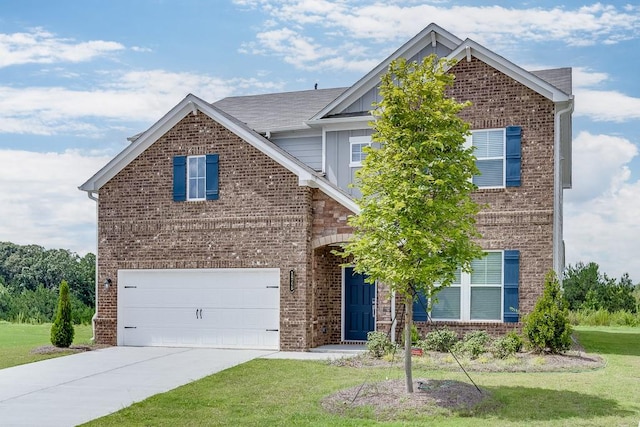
(107,283)
(292,280)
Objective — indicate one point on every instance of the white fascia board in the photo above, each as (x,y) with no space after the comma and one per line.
(507,67)
(372,78)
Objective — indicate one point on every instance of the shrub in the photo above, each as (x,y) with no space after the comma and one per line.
(547,327)
(507,346)
(588,317)
(378,343)
(62,329)
(441,340)
(473,344)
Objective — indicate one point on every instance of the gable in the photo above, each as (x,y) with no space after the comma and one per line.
(194,105)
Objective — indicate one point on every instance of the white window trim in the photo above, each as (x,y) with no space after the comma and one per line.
(469,143)
(465,297)
(353,140)
(197,199)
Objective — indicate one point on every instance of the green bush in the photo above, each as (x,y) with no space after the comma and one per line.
(441,340)
(547,327)
(62,329)
(379,344)
(473,344)
(507,346)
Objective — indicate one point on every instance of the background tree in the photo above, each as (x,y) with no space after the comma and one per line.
(417,220)
(62,329)
(585,287)
(30,276)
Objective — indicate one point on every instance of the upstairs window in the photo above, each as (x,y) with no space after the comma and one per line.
(498,155)
(489,149)
(357,145)
(195,178)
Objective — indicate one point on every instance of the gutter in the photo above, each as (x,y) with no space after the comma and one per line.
(558,260)
(93,196)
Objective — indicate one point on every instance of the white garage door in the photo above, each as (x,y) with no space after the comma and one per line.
(225,308)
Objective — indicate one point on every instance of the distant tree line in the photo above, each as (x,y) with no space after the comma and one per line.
(30,277)
(585,287)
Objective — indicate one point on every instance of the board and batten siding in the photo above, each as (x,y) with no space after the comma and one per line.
(338,157)
(307,149)
(364,103)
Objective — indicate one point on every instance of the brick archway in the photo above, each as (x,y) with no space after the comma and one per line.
(330,240)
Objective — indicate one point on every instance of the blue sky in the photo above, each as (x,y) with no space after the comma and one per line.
(77,78)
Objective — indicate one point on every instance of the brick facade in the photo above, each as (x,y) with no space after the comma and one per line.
(262,219)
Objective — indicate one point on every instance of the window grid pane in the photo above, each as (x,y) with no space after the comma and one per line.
(448,305)
(196,177)
(485,303)
(488,270)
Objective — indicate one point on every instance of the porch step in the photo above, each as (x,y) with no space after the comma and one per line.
(340,348)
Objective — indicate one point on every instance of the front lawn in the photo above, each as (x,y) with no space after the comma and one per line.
(18,340)
(288,392)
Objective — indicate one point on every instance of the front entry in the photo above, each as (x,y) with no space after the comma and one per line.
(359,303)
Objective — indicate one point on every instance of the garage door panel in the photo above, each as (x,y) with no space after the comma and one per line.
(235,308)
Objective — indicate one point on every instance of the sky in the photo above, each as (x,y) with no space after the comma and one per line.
(78,77)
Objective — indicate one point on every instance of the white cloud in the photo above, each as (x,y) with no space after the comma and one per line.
(606,105)
(138,96)
(390,22)
(40,202)
(600,217)
(42,47)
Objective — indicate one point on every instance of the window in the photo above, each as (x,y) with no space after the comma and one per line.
(488,293)
(357,144)
(195,178)
(498,157)
(489,150)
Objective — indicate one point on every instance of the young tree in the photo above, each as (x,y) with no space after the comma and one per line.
(62,329)
(417,220)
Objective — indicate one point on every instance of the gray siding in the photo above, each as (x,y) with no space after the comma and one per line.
(363,104)
(338,157)
(307,149)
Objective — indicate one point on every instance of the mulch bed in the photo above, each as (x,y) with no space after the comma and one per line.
(389,400)
(50,349)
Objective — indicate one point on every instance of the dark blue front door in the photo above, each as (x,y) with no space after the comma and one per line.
(358,311)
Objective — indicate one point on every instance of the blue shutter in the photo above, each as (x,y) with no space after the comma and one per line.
(511,281)
(419,308)
(212,177)
(180,178)
(514,156)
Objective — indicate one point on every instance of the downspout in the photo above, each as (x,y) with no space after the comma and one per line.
(558,192)
(95,314)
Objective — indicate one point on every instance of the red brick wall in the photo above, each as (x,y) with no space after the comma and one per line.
(515,217)
(329,216)
(262,219)
(327,297)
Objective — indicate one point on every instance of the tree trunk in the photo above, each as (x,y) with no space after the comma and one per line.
(408,322)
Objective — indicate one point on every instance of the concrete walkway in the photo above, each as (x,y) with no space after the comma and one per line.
(71,390)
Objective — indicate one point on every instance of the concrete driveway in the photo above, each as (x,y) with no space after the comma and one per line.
(75,389)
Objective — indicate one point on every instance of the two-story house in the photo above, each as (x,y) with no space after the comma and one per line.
(216,225)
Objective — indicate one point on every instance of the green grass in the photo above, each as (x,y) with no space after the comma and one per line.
(18,339)
(287,392)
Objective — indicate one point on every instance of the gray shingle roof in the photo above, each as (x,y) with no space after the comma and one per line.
(279,111)
(558,77)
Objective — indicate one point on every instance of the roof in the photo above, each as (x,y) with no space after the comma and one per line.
(191,104)
(278,111)
(558,77)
